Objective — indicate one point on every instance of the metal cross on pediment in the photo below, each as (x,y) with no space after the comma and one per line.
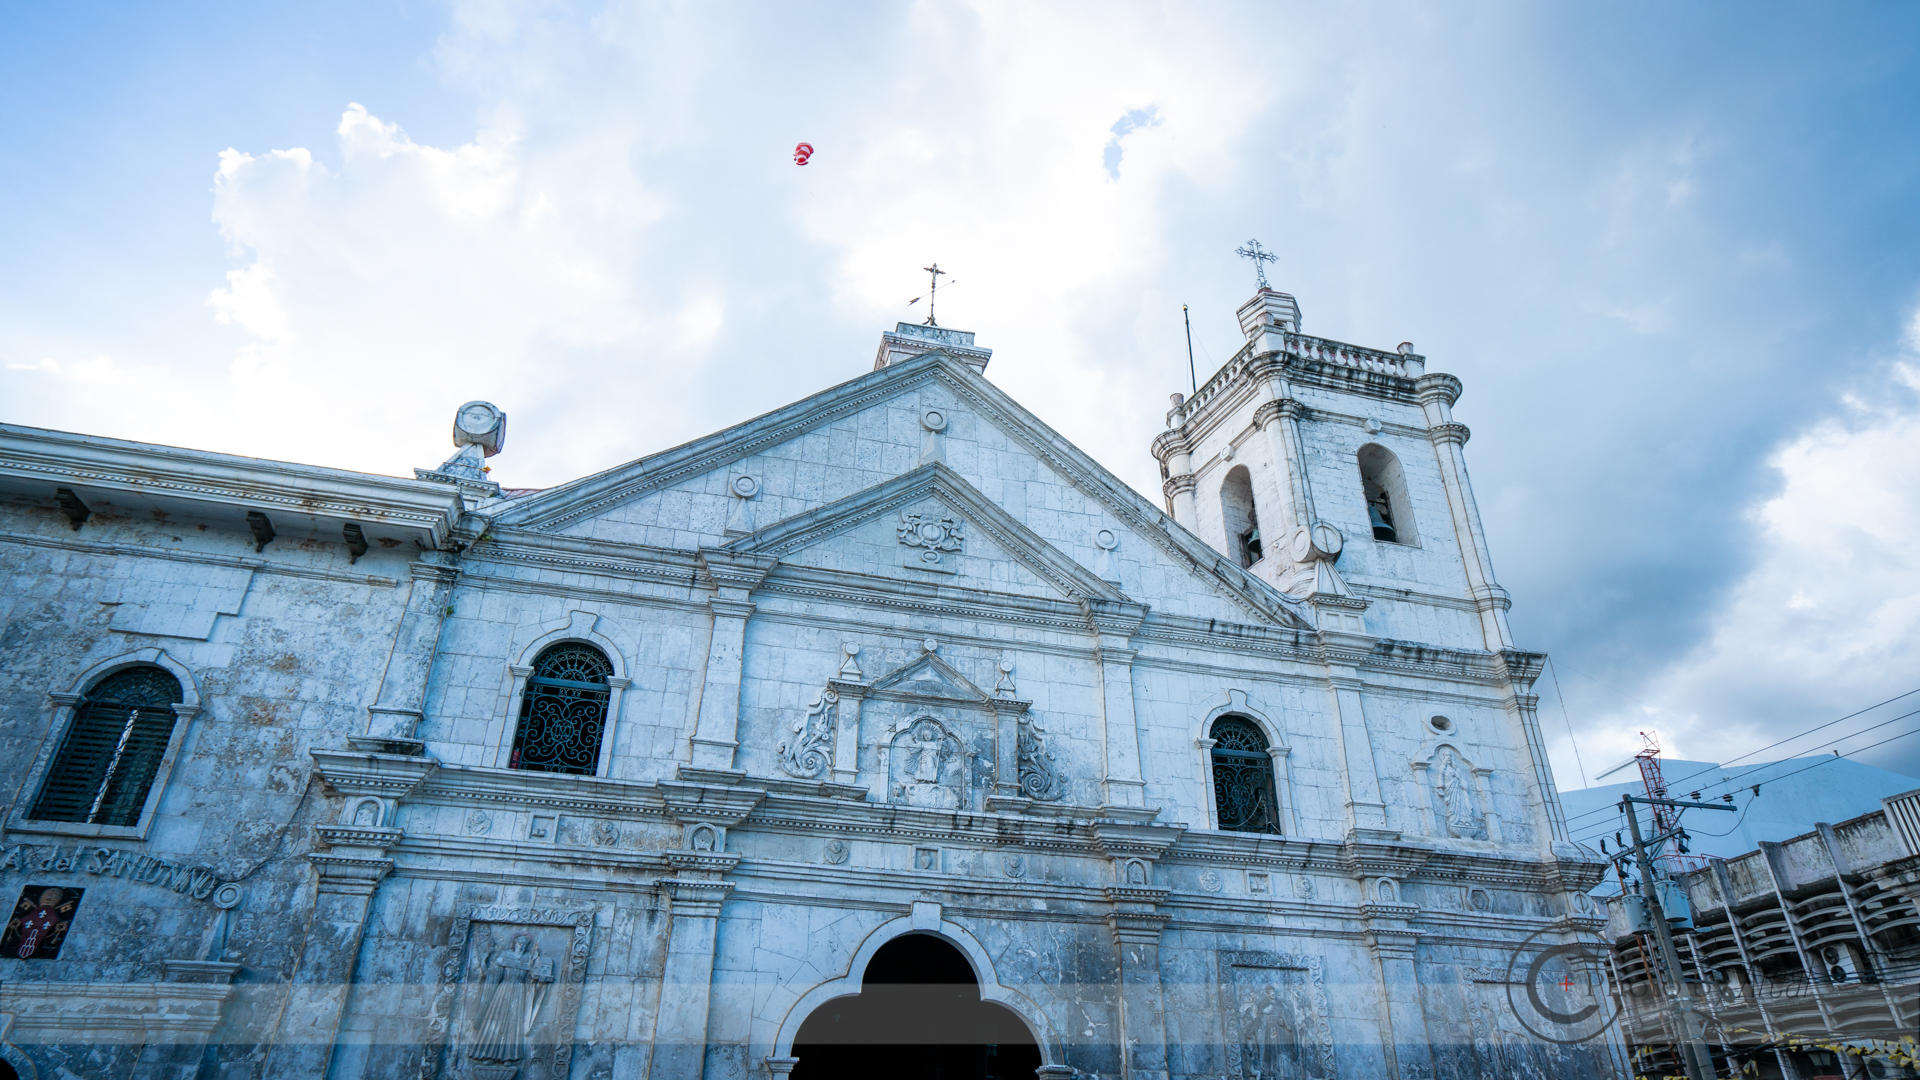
(1260,256)
(934,274)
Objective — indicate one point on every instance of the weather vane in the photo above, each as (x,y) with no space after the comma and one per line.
(1259,255)
(933,292)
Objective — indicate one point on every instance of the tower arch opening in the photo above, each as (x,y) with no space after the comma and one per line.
(1238,516)
(918,1016)
(1384,485)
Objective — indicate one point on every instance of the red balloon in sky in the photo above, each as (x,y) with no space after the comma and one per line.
(801,153)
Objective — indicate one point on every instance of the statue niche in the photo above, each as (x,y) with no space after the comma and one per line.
(928,766)
(1455,797)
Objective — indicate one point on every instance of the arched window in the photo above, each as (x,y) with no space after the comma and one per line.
(1243,777)
(1237,514)
(113,748)
(563,711)
(1385,486)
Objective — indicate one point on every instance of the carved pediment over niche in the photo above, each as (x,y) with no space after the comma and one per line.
(930,679)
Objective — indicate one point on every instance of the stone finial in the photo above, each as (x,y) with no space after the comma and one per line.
(481,424)
(479,432)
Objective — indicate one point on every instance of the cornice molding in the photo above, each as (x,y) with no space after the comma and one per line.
(227,482)
(1449,434)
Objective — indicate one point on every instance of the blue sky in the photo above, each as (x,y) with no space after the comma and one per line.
(1670,249)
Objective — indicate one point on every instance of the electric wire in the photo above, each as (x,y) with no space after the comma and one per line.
(1553,671)
(1796,735)
(1840,738)
(1805,768)
(1671,784)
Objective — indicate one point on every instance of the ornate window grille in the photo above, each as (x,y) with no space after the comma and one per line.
(1243,777)
(563,711)
(112,750)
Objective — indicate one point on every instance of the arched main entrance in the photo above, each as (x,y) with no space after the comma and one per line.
(918,1017)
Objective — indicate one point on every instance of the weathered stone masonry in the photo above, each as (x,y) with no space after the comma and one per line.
(893,660)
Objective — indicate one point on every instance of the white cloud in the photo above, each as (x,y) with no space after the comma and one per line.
(1826,621)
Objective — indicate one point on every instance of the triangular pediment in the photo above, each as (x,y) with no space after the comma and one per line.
(932,497)
(837,447)
(928,676)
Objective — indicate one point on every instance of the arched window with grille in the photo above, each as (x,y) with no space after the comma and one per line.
(563,711)
(113,748)
(1243,789)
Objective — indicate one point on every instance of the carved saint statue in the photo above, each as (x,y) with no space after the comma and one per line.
(1270,1047)
(1462,817)
(929,752)
(515,987)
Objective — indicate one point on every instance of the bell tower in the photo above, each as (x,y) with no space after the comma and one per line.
(1335,472)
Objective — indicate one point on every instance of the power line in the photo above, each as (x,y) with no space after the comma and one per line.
(1808,731)
(1796,735)
(1842,738)
(1551,670)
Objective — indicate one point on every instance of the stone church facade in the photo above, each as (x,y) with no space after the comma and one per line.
(319,773)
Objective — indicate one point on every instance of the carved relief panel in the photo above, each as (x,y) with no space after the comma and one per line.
(928,765)
(509,994)
(1276,1012)
(1456,795)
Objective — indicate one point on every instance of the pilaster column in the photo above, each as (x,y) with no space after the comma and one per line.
(349,871)
(1366,811)
(1280,418)
(396,712)
(695,897)
(1179,492)
(1114,624)
(1437,395)
(1175,455)
(1523,707)
(1409,1049)
(846,732)
(1136,926)
(733,577)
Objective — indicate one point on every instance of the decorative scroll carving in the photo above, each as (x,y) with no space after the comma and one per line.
(808,753)
(1040,778)
(499,967)
(1277,1019)
(930,540)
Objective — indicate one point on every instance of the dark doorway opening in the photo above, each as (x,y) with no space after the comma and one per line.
(918,1017)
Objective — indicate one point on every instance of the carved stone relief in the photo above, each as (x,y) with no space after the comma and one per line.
(1276,1011)
(1456,808)
(1040,779)
(928,766)
(931,542)
(809,750)
(509,993)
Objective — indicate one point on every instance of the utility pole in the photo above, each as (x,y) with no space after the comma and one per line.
(1694,1053)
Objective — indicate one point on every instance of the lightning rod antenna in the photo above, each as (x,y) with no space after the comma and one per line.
(1191,373)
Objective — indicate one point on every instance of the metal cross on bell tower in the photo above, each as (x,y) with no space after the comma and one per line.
(1253,250)
(933,292)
